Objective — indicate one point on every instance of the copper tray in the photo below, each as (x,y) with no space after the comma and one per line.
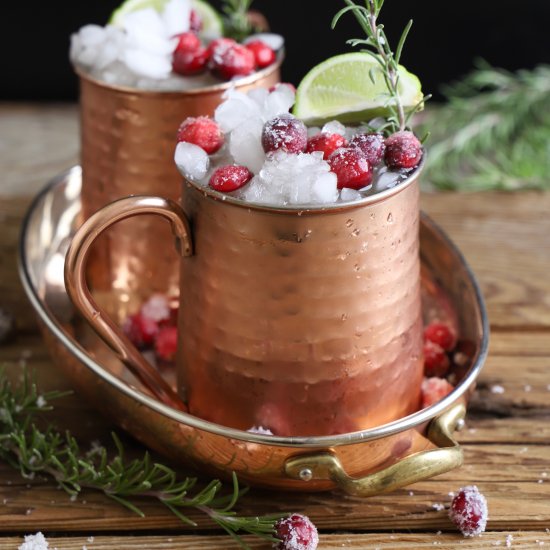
(361,463)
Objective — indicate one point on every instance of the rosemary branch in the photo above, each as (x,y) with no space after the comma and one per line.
(378,46)
(493,133)
(32,451)
(237,22)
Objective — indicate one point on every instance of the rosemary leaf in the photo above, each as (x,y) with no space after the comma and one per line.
(493,133)
(32,450)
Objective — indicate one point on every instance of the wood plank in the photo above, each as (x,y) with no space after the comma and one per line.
(504,236)
(388,541)
(38,141)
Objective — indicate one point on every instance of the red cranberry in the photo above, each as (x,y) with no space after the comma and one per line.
(403,150)
(231,60)
(351,167)
(188,41)
(469,511)
(372,145)
(434,390)
(263,54)
(201,131)
(296,532)
(284,133)
(190,62)
(441,334)
(220,45)
(327,143)
(230,178)
(166,343)
(436,362)
(140,329)
(195,21)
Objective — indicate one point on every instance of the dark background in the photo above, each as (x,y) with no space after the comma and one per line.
(446,38)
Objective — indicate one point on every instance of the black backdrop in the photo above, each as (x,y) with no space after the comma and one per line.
(446,38)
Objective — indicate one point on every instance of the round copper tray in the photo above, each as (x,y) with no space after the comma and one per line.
(362,463)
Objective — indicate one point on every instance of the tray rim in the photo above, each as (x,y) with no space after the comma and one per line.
(311,442)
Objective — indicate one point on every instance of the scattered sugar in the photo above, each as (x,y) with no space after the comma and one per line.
(41,402)
(527,388)
(411,493)
(509,540)
(260,430)
(438,506)
(90,539)
(35,542)
(497,389)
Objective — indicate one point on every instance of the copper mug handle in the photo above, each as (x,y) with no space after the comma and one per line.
(77,289)
(423,465)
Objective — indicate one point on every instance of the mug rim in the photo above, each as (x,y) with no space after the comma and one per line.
(309,209)
(215,88)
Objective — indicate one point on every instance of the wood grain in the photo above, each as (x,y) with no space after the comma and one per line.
(506,439)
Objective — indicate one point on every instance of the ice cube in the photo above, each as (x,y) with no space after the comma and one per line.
(143,39)
(274,41)
(191,160)
(287,179)
(313,131)
(387,179)
(147,64)
(91,35)
(279,101)
(176,17)
(107,54)
(259,95)
(147,20)
(236,108)
(245,144)
(348,195)
(334,127)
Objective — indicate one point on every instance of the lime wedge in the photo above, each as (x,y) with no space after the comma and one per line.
(342,88)
(211,19)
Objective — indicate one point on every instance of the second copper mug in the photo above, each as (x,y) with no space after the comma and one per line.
(127,148)
(298,321)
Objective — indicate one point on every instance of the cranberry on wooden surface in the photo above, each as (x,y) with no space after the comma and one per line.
(296,532)
(469,511)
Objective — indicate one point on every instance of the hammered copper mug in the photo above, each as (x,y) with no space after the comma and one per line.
(127,148)
(298,321)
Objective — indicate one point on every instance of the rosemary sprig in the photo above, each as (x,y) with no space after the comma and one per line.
(33,451)
(237,22)
(494,132)
(378,46)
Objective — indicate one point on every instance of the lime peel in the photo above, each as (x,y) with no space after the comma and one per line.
(341,88)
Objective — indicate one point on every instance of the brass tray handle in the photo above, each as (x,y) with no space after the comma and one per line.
(414,468)
(77,289)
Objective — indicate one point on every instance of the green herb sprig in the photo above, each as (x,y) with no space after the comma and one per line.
(378,46)
(33,451)
(494,132)
(236,20)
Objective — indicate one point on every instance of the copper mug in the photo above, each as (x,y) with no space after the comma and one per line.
(299,321)
(127,148)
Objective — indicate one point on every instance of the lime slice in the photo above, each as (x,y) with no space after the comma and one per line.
(211,19)
(342,88)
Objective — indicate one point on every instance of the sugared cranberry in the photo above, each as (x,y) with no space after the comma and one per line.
(190,62)
(231,60)
(263,54)
(327,143)
(434,390)
(403,150)
(195,21)
(469,511)
(188,41)
(436,362)
(351,167)
(230,178)
(220,45)
(166,343)
(372,145)
(296,532)
(284,133)
(140,329)
(201,131)
(441,334)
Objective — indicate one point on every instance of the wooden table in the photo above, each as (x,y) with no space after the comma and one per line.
(505,237)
